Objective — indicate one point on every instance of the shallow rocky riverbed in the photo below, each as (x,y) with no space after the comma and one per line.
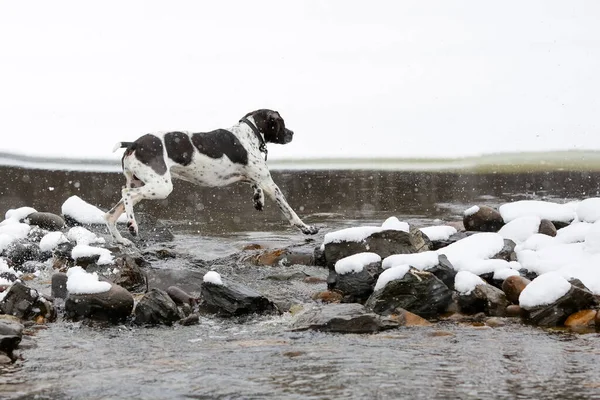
(261,356)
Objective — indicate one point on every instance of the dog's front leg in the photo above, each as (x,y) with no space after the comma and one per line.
(274,193)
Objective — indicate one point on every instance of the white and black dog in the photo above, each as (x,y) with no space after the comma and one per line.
(216,158)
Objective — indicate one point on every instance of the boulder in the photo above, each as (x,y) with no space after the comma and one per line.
(438,244)
(342,318)
(58,285)
(180,297)
(11,333)
(444,271)
(419,292)
(156,308)
(547,228)
(485,219)
(355,287)
(130,275)
(232,299)
(508,251)
(45,220)
(19,301)
(513,311)
(20,251)
(576,299)
(513,286)
(113,305)
(385,243)
(484,298)
(581,319)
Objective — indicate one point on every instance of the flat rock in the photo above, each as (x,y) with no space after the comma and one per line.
(45,220)
(486,299)
(232,299)
(342,318)
(113,305)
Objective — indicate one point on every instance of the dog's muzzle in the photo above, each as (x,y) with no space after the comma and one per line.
(289,135)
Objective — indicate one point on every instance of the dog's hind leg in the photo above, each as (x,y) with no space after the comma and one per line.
(111,218)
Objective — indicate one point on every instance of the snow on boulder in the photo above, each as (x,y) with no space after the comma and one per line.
(544,290)
(16,215)
(212,277)
(465,282)
(355,263)
(81,282)
(84,213)
(592,239)
(481,246)
(51,240)
(11,232)
(422,261)
(440,232)
(543,209)
(105,257)
(588,210)
(520,229)
(551,258)
(394,223)
(395,273)
(80,235)
(573,233)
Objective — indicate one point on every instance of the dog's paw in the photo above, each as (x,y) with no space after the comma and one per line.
(258,201)
(309,229)
(258,205)
(125,242)
(133,228)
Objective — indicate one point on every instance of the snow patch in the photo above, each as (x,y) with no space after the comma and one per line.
(441,232)
(81,282)
(355,263)
(393,223)
(520,229)
(465,282)
(480,246)
(391,274)
(51,240)
(422,261)
(80,235)
(544,290)
(213,277)
(16,215)
(588,210)
(84,212)
(84,250)
(470,211)
(541,209)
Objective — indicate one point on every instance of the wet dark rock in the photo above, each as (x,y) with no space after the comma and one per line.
(113,305)
(547,228)
(508,251)
(484,298)
(192,319)
(156,308)
(438,244)
(319,257)
(11,333)
(130,275)
(232,298)
(486,219)
(59,285)
(45,309)
(45,220)
(21,251)
(444,271)
(180,297)
(513,286)
(555,314)
(287,276)
(30,267)
(36,234)
(419,292)
(384,243)
(19,301)
(356,287)
(343,318)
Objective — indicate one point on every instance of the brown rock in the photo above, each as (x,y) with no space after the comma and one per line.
(414,320)
(328,296)
(270,257)
(547,228)
(486,219)
(513,286)
(513,311)
(582,319)
(597,320)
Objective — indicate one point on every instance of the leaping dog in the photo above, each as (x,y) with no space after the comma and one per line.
(216,158)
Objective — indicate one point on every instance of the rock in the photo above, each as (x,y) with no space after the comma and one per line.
(597,320)
(19,301)
(438,244)
(192,319)
(130,275)
(513,286)
(59,285)
(328,296)
(581,319)
(547,228)
(495,322)
(156,308)
(555,314)
(180,297)
(508,251)
(342,318)
(356,287)
(45,220)
(513,311)
(11,333)
(30,267)
(5,359)
(384,243)
(419,292)
(113,305)
(232,299)
(486,219)
(20,251)
(406,318)
(484,298)
(444,271)
(319,257)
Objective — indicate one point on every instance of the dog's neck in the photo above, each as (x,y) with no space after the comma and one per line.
(262,144)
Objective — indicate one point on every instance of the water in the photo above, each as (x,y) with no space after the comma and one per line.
(260,357)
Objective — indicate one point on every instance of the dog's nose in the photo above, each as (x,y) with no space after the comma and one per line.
(290,132)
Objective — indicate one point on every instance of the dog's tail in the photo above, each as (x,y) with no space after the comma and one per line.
(120,145)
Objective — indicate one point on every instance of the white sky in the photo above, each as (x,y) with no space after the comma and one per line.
(351,78)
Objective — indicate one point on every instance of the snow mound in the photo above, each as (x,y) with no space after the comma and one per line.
(84,212)
(520,229)
(544,290)
(391,274)
(81,282)
(80,235)
(541,209)
(477,247)
(213,277)
(588,210)
(441,232)
(355,263)
(83,250)
(470,211)
(51,240)
(422,261)
(465,282)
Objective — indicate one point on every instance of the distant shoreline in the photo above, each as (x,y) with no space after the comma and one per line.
(572,160)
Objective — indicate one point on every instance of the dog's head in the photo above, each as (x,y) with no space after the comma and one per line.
(271,125)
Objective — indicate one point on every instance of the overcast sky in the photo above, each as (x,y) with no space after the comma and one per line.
(351,78)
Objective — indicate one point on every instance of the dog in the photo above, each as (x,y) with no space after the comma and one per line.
(215,158)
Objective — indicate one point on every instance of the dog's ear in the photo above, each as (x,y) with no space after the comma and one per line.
(273,115)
